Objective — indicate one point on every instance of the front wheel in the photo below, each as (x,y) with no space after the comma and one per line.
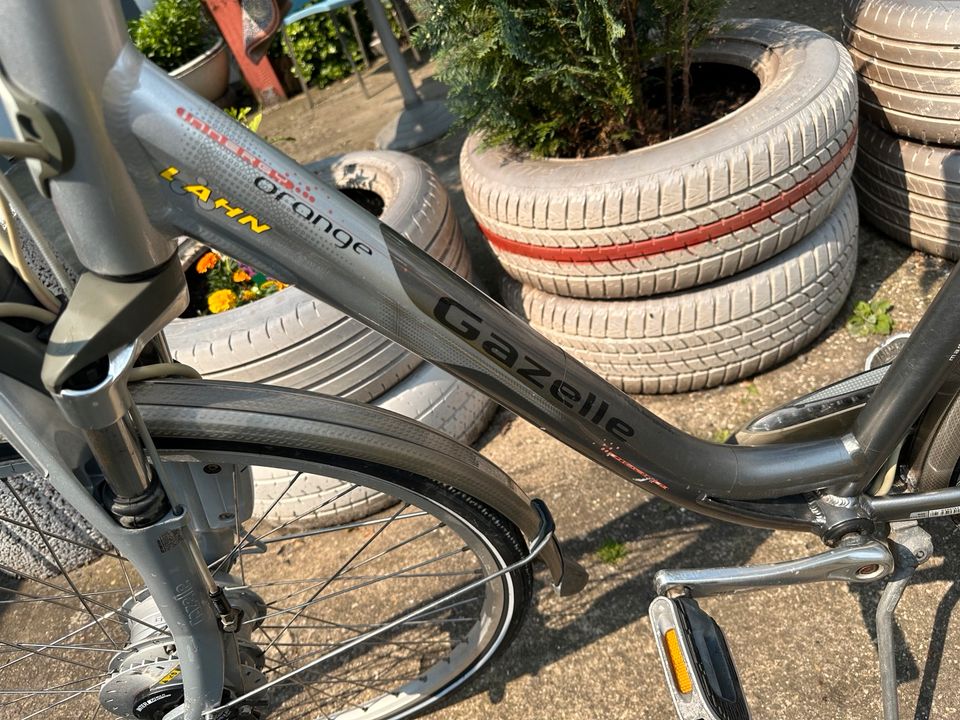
(320,587)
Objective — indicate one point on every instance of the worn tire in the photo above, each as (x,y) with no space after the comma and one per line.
(910,191)
(689,211)
(716,334)
(293,340)
(428,395)
(907,57)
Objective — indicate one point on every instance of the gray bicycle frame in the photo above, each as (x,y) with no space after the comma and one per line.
(151,160)
(142,159)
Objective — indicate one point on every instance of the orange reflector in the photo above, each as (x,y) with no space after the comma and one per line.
(678,666)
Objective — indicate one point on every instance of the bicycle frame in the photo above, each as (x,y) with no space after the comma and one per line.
(141,160)
(153,160)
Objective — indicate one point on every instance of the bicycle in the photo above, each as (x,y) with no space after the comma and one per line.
(162,467)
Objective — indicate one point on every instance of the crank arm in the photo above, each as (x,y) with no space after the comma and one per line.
(857,562)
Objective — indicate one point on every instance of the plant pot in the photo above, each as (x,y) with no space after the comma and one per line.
(208,74)
(691,210)
(751,216)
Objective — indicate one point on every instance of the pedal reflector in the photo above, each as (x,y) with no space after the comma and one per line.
(701,677)
(678,666)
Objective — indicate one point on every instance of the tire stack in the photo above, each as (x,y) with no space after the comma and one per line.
(907,57)
(701,260)
(293,340)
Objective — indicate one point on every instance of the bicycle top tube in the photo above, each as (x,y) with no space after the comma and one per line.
(305,232)
(201,174)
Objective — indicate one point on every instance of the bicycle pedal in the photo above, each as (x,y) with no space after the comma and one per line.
(700,673)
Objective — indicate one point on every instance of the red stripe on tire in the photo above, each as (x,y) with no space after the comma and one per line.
(685,238)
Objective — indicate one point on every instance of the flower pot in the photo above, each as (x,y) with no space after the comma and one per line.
(291,339)
(703,259)
(208,74)
(691,210)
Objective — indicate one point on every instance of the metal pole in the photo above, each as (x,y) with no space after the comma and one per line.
(398,65)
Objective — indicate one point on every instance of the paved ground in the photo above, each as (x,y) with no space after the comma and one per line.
(802,652)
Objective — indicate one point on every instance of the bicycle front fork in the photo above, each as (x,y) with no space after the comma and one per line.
(88,443)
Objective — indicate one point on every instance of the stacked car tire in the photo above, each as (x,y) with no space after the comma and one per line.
(907,57)
(700,260)
(294,340)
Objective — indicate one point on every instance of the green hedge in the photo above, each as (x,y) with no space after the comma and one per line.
(567,77)
(317,47)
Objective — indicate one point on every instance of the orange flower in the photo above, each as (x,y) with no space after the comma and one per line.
(248,295)
(207,262)
(240,275)
(221,300)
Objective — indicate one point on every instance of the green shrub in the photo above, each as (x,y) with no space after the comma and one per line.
(172,32)
(317,47)
(567,77)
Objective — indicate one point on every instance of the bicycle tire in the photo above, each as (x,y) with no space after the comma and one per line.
(234,423)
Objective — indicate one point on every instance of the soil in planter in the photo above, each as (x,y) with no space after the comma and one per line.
(367,199)
(196,282)
(716,90)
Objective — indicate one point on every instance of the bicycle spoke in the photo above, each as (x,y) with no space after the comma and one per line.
(63,538)
(31,653)
(310,690)
(390,576)
(343,567)
(329,501)
(53,599)
(60,702)
(396,546)
(236,548)
(336,528)
(58,646)
(55,690)
(110,610)
(56,559)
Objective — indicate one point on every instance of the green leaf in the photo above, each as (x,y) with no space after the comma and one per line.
(871,318)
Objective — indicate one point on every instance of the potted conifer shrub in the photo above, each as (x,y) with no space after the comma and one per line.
(623,149)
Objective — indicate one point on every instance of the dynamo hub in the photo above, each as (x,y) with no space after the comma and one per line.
(145,677)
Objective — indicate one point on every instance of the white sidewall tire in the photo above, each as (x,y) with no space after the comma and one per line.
(712,335)
(794,141)
(910,191)
(908,61)
(293,340)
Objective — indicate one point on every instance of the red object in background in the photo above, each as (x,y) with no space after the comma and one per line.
(259,75)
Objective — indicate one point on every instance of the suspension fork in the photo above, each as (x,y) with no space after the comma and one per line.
(87,412)
(164,553)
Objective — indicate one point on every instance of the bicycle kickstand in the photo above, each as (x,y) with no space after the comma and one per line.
(911,546)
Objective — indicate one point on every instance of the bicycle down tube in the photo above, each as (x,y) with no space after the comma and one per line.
(201,174)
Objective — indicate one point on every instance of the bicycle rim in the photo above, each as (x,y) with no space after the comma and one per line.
(321,586)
